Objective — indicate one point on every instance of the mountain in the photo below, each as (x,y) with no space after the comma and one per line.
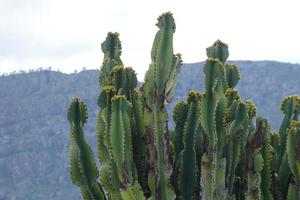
(34,129)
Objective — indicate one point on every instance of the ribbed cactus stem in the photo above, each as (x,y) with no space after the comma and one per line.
(187,164)
(84,172)
(255,159)
(157,89)
(112,49)
(290,108)
(293,152)
(213,166)
(218,50)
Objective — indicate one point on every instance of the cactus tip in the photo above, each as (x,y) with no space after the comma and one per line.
(166,19)
(234,94)
(295,124)
(220,43)
(113,34)
(289,100)
(193,95)
(117,69)
(118,98)
(251,112)
(109,88)
(76,99)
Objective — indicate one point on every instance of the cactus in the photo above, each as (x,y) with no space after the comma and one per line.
(156,91)
(290,106)
(255,160)
(293,154)
(219,149)
(186,117)
(84,172)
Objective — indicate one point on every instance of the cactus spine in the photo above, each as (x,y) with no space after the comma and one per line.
(219,149)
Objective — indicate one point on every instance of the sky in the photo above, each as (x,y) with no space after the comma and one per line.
(67,34)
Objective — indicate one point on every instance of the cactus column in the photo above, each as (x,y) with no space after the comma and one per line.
(158,88)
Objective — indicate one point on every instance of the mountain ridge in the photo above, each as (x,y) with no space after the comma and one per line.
(34,128)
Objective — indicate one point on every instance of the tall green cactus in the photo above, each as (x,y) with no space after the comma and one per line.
(293,154)
(224,120)
(156,91)
(84,172)
(216,151)
(290,107)
(186,116)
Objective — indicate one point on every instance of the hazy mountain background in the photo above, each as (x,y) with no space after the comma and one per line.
(34,129)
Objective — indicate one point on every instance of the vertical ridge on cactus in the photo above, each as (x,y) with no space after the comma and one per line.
(219,149)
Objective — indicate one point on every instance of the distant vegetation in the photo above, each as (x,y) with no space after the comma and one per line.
(15,72)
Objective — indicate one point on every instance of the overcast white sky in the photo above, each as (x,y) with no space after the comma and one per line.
(67,34)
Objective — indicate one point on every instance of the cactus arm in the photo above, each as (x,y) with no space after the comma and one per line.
(176,173)
(232,75)
(117,132)
(234,130)
(267,168)
(239,119)
(238,113)
(188,168)
(86,169)
(179,114)
(172,80)
(213,165)
(154,94)
(162,187)
(282,132)
(255,159)
(103,122)
(293,151)
(76,176)
(200,142)
(120,139)
(111,48)
(209,101)
(254,179)
(108,176)
(164,51)
(161,77)
(218,50)
(289,107)
(284,174)
(147,89)
(206,177)
(118,77)
(219,160)
(242,169)
(131,79)
(164,64)
(212,69)
(234,148)
(139,142)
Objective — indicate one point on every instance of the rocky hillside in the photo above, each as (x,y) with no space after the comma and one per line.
(34,129)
